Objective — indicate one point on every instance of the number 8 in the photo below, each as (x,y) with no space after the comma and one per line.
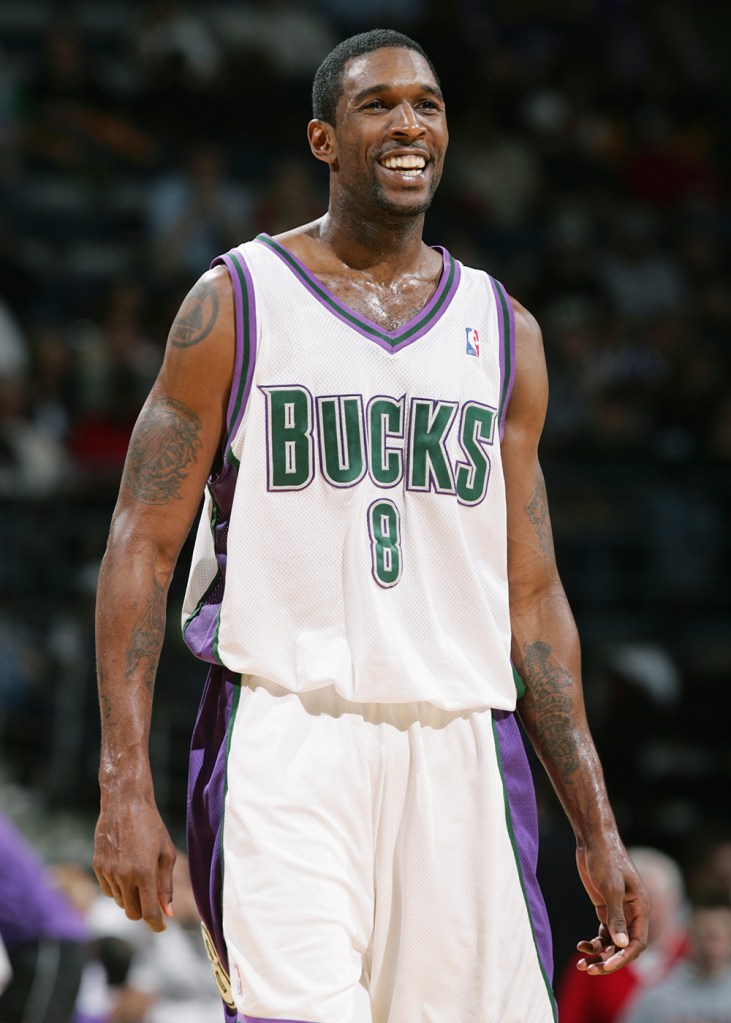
(384,528)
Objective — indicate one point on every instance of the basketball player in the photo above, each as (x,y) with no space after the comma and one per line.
(373,557)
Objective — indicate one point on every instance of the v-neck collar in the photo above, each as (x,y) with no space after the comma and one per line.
(390,340)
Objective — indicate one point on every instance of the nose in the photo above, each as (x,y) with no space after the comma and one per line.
(405,123)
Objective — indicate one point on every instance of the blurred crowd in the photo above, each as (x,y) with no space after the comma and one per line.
(71,955)
(588,170)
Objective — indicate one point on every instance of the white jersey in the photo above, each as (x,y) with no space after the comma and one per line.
(356,536)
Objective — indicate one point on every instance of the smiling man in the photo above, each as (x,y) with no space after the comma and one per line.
(374,589)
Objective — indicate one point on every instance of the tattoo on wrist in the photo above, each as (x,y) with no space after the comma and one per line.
(146,641)
(164,443)
(551,707)
(537,509)
(197,317)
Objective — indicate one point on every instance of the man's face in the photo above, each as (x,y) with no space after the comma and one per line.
(710,933)
(391,132)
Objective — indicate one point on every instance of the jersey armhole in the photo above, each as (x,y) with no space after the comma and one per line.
(506,333)
(245,346)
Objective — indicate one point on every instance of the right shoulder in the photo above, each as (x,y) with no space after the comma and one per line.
(200,351)
(206,310)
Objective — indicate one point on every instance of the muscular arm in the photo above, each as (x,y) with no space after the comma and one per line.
(545,651)
(175,442)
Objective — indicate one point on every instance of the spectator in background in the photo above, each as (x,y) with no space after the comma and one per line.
(43,934)
(582,1000)
(698,989)
(291,196)
(70,122)
(31,463)
(710,861)
(195,213)
(13,345)
(152,978)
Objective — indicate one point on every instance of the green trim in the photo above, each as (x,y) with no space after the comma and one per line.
(311,281)
(214,649)
(235,698)
(519,683)
(247,349)
(513,842)
(507,344)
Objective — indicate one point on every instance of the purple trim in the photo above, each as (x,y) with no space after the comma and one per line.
(500,292)
(230,260)
(524,815)
(363,325)
(201,630)
(260,1019)
(206,792)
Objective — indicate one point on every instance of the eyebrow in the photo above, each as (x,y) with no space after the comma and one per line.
(430,90)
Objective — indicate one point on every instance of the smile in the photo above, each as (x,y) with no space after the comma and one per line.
(410,165)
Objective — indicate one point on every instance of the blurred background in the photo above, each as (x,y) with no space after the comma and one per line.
(588,170)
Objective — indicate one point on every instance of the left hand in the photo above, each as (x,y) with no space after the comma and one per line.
(622,906)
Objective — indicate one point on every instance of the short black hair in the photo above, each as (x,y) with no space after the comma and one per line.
(327,86)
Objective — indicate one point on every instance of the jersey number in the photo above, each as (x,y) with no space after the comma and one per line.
(384,527)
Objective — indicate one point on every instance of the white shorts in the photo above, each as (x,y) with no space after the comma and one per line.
(371,872)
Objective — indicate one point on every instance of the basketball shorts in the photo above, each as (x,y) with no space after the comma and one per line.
(376,863)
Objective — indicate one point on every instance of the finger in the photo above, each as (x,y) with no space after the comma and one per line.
(596,960)
(165,882)
(615,960)
(150,908)
(591,946)
(616,922)
(104,884)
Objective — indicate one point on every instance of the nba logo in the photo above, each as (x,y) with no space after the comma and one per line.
(473,341)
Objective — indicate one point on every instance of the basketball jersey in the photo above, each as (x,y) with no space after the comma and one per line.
(356,534)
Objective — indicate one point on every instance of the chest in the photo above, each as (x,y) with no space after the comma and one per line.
(389,306)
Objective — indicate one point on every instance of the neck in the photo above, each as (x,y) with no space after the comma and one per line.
(363,243)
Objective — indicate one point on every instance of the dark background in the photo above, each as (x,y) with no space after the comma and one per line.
(588,170)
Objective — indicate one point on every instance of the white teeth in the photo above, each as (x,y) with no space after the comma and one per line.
(411,162)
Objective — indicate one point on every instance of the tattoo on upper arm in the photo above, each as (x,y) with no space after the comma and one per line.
(552,707)
(197,318)
(147,637)
(164,443)
(537,509)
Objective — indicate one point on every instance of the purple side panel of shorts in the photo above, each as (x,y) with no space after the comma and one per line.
(522,803)
(206,791)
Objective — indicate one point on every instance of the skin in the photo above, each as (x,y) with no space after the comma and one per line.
(368,249)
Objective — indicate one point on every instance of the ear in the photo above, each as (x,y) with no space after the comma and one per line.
(321,136)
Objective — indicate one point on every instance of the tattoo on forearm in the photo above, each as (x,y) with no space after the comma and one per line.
(105,704)
(164,443)
(551,707)
(147,637)
(197,317)
(537,509)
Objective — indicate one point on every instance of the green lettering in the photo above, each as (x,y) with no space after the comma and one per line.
(429,462)
(342,445)
(289,437)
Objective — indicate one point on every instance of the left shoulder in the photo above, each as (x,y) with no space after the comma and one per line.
(528,335)
(529,397)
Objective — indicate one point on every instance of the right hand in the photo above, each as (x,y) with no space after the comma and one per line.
(133,860)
